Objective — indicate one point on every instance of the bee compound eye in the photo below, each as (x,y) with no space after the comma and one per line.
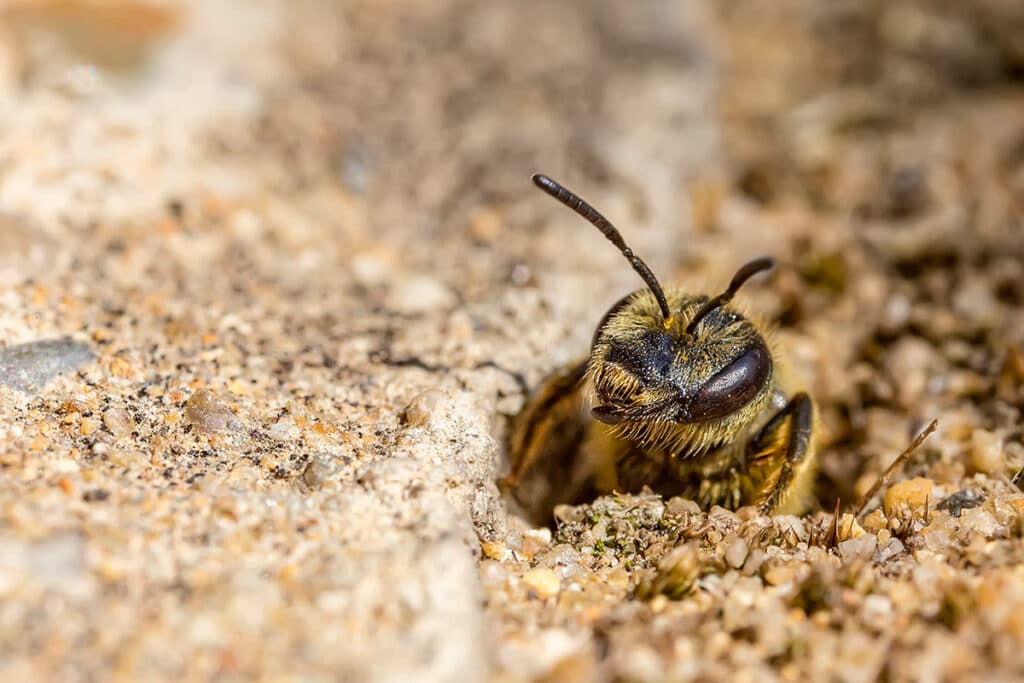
(732,387)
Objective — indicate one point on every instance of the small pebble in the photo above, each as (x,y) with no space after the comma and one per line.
(987,452)
(425,407)
(320,469)
(855,548)
(890,550)
(372,268)
(535,540)
(494,550)
(914,493)
(118,421)
(209,414)
(736,553)
(88,426)
(419,294)
(849,528)
(284,429)
(875,521)
(982,521)
(27,367)
(776,572)
(962,500)
(95,495)
(675,575)
(563,559)
(485,225)
(543,582)
(71,406)
(876,609)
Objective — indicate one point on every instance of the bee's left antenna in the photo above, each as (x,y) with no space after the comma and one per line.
(574,202)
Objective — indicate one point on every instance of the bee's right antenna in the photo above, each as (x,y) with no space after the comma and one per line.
(745,272)
(584,209)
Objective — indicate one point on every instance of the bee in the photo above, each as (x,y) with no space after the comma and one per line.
(679,393)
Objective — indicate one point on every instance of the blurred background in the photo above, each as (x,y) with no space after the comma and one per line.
(322,209)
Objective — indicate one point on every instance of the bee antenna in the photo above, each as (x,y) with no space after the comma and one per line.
(745,272)
(574,202)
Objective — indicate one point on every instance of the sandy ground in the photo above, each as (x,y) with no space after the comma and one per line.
(273,280)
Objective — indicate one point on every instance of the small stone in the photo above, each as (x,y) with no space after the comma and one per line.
(425,407)
(676,574)
(855,548)
(485,225)
(966,499)
(987,452)
(27,367)
(565,514)
(849,528)
(520,274)
(563,559)
(118,421)
(777,572)
(793,528)
(72,406)
(890,550)
(209,414)
(983,522)
(119,367)
(284,429)
(95,495)
(678,507)
(755,559)
(736,553)
(543,582)
(372,268)
(494,550)
(914,493)
(320,469)
(88,426)
(875,521)
(876,609)
(535,540)
(419,294)
(939,540)
(641,662)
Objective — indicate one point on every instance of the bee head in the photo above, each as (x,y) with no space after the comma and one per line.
(682,370)
(672,360)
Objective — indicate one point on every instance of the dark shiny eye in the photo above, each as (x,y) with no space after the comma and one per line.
(732,387)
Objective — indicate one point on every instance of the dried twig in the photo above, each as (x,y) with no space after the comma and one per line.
(833,529)
(896,464)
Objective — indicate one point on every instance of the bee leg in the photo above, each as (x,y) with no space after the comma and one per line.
(531,426)
(544,448)
(765,448)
